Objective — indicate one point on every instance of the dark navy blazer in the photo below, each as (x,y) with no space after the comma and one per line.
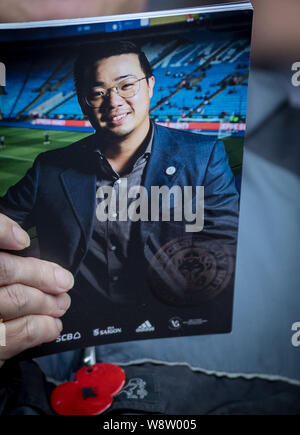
(58,194)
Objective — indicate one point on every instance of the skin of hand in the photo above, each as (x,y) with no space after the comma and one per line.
(275,36)
(38,10)
(33,294)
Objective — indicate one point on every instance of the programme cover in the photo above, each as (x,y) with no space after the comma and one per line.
(152,243)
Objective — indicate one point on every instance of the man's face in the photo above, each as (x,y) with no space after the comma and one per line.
(118,116)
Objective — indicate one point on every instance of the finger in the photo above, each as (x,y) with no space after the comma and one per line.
(12,236)
(40,274)
(27,332)
(18,300)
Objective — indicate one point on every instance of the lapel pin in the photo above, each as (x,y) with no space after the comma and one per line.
(92,391)
(171,170)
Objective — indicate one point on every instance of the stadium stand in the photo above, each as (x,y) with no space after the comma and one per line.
(197,76)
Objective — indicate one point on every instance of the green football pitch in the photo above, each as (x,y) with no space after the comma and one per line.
(22,146)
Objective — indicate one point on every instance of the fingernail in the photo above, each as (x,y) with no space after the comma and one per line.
(21,236)
(63,302)
(59,324)
(64,278)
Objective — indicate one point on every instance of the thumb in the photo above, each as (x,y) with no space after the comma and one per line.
(12,236)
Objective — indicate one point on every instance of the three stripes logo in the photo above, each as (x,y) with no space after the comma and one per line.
(145,327)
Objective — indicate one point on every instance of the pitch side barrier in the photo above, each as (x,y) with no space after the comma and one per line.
(85,126)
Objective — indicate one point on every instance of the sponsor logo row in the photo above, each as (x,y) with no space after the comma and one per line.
(174,323)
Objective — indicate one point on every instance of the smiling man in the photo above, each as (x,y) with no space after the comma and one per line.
(115,94)
(124,107)
(125,268)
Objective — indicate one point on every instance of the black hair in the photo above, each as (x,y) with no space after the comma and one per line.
(97,51)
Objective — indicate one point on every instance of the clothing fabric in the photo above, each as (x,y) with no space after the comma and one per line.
(108,260)
(159,389)
(58,195)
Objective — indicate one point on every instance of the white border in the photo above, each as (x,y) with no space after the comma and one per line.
(239,6)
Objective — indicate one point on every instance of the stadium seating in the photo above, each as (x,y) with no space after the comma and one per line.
(198,75)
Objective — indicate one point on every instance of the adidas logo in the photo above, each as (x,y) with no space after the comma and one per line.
(145,327)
